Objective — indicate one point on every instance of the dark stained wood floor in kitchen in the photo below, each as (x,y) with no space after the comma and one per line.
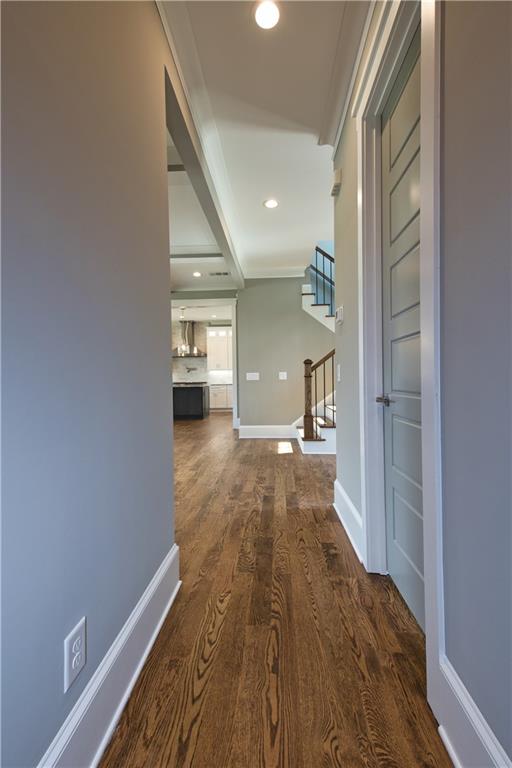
(279,649)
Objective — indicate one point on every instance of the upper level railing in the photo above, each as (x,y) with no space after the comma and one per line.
(322,279)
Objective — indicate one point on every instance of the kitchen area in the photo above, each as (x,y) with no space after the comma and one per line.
(202,359)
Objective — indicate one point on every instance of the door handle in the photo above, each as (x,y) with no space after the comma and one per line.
(384,400)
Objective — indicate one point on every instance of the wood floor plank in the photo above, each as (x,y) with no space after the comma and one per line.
(280,651)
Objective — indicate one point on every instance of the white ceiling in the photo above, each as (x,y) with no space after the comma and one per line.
(259,100)
(192,244)
(211,269)
(189,231)
(201,310)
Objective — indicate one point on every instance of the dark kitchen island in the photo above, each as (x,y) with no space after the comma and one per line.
(191,400)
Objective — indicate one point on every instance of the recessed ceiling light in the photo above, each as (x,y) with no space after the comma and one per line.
(197,274)
(182,307)
(270,203)
(267,14)
(214,316)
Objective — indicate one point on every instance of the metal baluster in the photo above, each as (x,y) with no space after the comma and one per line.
(331,312)
(316,276)
(325,396)
(332,388)
(323,278)
(314,407)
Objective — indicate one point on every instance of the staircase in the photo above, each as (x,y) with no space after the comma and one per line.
(318,431)
(318,293)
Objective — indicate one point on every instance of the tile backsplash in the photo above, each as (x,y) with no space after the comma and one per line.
(189,369)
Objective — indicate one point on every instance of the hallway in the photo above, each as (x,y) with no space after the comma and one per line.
(279,650)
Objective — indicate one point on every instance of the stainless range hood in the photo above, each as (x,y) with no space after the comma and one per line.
(187,343)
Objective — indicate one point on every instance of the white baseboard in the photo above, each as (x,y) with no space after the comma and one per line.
(350,519)
(470,741)
(88,728)
(272,431)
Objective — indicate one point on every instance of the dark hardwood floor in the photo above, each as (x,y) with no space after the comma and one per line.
(279,651)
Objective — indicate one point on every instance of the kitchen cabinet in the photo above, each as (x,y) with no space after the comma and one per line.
(219,352)
(221,396)
(191,401)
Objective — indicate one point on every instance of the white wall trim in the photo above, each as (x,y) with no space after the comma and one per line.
(271,431)
(85,733)
(494,754)
(350,519)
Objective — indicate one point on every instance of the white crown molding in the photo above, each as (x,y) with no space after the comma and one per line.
(88,728)
(276,273)
(352,35)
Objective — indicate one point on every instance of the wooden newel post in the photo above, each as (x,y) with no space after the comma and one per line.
(309,430)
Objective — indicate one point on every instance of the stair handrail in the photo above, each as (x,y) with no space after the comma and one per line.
(310,368)
(324,253)
(323,360)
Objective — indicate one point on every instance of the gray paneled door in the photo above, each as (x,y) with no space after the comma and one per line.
(401,332)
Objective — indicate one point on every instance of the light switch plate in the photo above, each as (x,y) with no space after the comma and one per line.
(338,373)
(254,376)
(75,649)
(283,375)
(339,314)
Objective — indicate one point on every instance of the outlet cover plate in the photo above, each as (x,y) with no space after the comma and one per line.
(75,648)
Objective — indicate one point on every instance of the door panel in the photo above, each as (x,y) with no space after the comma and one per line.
(401,332)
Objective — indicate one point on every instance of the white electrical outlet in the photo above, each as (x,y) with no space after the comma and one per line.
(75,648)
(252,376)
(283,375)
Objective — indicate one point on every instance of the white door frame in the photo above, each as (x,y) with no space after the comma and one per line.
(465,732)
(396,27)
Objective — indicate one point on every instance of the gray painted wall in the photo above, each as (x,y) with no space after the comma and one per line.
(87,479)
(275,334)
(476,352)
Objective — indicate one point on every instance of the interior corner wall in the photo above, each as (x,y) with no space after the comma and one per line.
(275,334)
(476,352)
(348,457)
(348,433)
(86,440)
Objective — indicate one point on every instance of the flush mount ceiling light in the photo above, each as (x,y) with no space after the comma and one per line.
(267,14)
(271,203)
(197,274)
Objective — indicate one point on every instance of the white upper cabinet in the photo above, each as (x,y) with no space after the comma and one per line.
(219,349)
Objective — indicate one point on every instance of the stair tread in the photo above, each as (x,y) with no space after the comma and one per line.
(309,293)
(310,439)
(322,305)
(324,423)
